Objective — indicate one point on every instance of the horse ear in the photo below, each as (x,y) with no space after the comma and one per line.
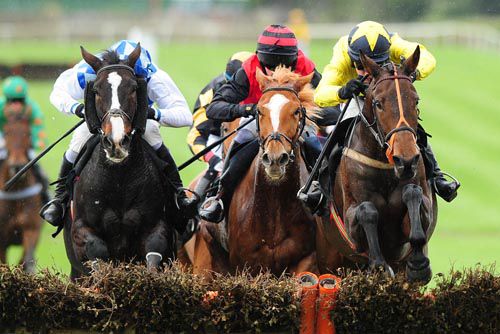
(134,55)
(262,79)
(410,64)
(302,81)
(90,59)
(369,65)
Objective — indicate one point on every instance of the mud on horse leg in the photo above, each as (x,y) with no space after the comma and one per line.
(366,215)
(418,266)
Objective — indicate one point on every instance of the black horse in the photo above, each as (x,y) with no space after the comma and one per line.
(119,198)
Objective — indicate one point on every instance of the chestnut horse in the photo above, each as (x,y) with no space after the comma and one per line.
(19,220)
(380,188)
(266,226)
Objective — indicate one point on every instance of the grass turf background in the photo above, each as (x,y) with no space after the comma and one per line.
(459,104)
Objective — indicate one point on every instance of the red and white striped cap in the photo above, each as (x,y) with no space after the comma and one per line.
(277,39)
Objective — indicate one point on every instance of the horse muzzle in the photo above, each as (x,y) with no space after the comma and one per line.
(275,164)
(406,169)
(116,152)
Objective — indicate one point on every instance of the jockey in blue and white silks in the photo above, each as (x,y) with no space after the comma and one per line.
(167,105)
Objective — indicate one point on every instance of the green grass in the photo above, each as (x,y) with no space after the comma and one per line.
(459,104)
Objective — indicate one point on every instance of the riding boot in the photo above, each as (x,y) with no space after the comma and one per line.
(212,209)
(205,181)
(41,177)
(53,211)
(187,206)
(447,190)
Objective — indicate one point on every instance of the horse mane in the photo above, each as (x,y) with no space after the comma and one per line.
(110,57)
(284,76)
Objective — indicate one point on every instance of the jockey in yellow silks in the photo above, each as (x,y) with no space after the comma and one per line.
(341,81)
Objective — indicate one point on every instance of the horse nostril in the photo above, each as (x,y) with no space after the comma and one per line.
(125,141)
(284,158)
(398,161)
(265,159)
(108,142)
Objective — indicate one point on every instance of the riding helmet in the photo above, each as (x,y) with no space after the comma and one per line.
(277,45)
(234,63)
(372,39)
(15,87)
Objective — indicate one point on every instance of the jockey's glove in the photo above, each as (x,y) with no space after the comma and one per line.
(153,114)
(249,110)
(215,164)
(80,111)
(352,87)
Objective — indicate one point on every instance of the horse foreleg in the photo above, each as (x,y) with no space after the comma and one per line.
(366,215)
(418,265)
(158,247)
(30,240)
(209,256)
(87,245)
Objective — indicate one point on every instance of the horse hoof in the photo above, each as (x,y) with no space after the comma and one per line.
(153,260)
(422,274)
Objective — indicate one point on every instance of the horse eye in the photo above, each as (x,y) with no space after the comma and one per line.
(296,112)
(378,105)
(416,102)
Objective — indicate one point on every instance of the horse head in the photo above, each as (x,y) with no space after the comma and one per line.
(17,135)
(116,100)
(281,117)
(391,104)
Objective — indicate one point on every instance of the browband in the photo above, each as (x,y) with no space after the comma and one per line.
(117,67)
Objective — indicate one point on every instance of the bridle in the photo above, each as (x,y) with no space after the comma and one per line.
(115,112)
(387,141)
(277,136)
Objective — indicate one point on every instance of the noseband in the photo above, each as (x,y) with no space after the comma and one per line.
(402,125)
(278,135)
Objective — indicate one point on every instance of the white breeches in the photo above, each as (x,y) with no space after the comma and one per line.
(82,135)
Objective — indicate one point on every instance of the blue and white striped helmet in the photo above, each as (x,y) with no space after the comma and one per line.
(143,67)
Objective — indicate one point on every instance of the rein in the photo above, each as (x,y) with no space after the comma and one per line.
(278,135)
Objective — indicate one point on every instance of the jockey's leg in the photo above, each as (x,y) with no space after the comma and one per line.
(447,190)
(315,199)
(212,209)
(53,211)
(187,206)
(213,169)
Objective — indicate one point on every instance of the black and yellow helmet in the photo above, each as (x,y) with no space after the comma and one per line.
(372,39)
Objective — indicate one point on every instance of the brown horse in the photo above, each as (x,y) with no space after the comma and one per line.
(266,226)
(19,206)
(380,188)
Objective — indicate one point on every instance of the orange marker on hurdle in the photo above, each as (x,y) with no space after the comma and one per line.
(309,293)
(328,289)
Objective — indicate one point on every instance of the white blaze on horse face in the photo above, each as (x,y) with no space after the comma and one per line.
(117,129)
(275,105)
(114,80)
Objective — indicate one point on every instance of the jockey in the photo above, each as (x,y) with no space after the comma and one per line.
(14,101)
(206,131)
(341,81)
(171,110)
(238,98)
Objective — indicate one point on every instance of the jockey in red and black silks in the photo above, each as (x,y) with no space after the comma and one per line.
(238,98)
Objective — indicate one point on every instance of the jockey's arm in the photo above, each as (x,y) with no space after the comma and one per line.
(225,105)
(401,47)
(336,74)
(172,109)
(67,92)
(38,135)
